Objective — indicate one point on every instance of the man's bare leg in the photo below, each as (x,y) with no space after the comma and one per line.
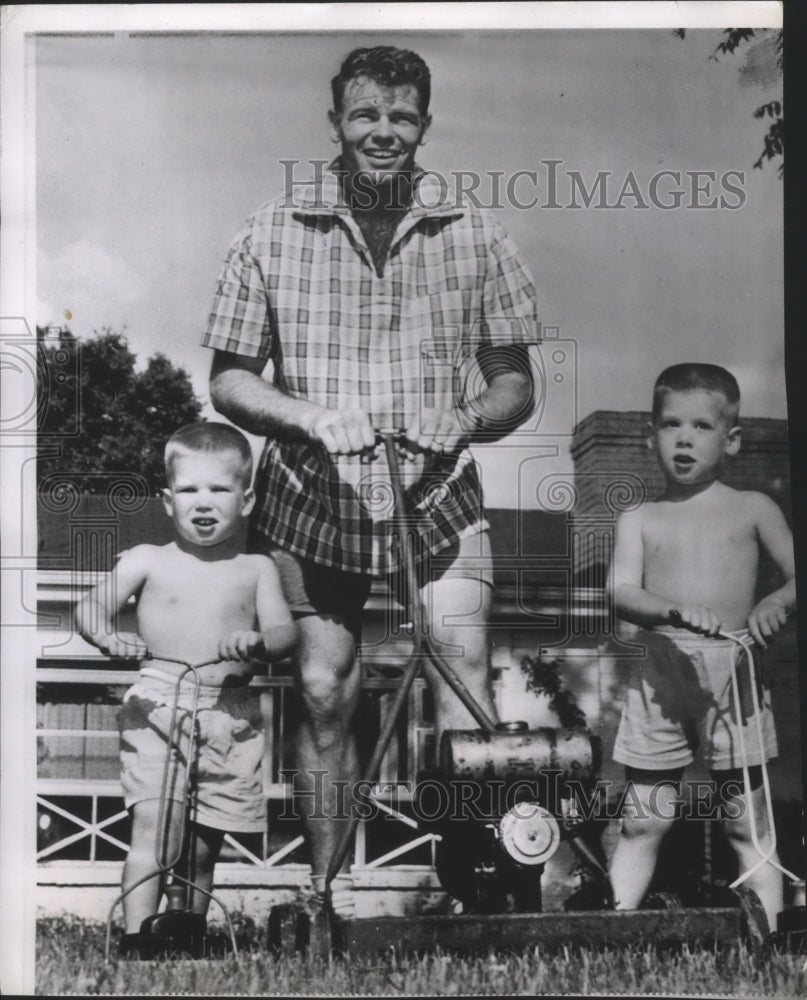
(330,680)
(458,611)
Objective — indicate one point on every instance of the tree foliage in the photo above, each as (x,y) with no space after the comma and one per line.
(544,677)
(99,414)
(773,142)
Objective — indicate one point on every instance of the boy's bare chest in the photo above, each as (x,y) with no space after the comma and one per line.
(720,534)
(202,591)
(702,556)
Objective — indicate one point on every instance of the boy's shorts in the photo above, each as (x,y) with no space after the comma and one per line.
(680,697)
(228,787)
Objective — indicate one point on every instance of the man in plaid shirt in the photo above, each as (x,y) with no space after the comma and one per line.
(382,300)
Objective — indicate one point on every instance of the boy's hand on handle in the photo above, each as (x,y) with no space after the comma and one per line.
(123,645)
(765,619)
(696,618)
(242,645)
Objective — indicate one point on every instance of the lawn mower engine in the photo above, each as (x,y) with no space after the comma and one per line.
(511,802)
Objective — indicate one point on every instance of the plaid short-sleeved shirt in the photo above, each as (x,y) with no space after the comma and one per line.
(299,287)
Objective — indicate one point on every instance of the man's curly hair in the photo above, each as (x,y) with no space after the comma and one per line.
(387,65)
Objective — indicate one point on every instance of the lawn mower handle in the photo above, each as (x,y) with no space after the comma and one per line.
(449,675)
(390,440)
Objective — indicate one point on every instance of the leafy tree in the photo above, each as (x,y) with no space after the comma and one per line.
(733,38)
(97,413)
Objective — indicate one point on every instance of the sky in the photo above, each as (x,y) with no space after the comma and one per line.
(151,151)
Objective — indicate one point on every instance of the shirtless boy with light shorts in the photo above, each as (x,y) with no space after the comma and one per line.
(199,598)
(696,551)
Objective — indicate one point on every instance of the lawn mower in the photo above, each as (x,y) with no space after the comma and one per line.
(177,930)
(492,864)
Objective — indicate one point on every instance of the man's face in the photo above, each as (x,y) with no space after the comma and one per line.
(379,127)
(691,434)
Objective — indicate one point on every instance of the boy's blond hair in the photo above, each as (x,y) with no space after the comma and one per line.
(212,437)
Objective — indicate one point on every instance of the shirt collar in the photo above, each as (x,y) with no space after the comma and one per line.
(434,195)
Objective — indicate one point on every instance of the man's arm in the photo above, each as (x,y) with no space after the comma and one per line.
(774,535)
(95,615)
(238,391)
(506,401)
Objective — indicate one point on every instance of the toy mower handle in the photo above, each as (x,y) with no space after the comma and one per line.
(742,640)
(183,663)
(678,619)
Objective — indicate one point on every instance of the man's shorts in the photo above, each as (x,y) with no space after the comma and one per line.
(311,589)
(228,786)
(680,697)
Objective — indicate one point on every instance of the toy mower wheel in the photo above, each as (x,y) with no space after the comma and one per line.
(287,930)
(662,901)
(293,929)
(755,930)
(321,937)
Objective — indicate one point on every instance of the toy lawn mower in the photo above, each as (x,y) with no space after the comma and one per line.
(178,930)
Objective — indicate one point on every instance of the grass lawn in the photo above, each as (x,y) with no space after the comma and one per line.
(70,960)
